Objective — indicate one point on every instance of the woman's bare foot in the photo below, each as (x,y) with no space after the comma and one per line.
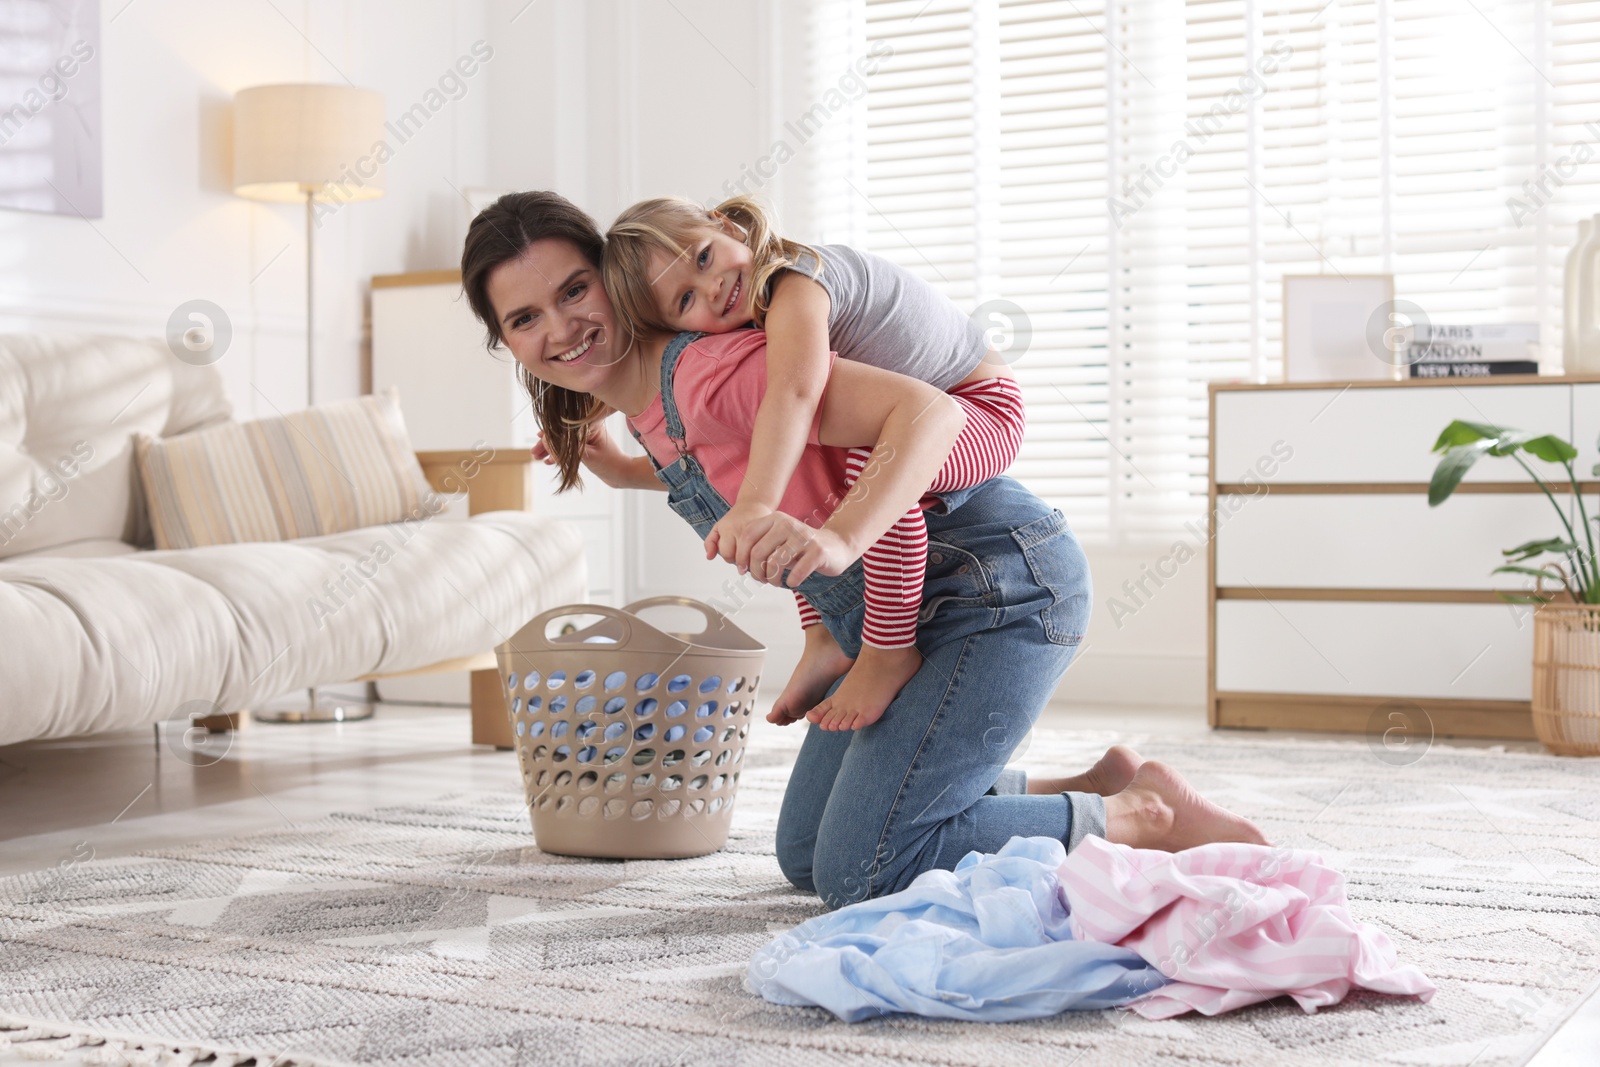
(822,662)
(1109,776)
(869,688)
(1160,810)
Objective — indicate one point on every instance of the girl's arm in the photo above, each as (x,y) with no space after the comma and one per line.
(797,375)
(911,426)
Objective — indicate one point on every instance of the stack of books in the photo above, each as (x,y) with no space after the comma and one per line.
(1474,351)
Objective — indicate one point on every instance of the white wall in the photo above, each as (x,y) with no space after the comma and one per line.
(1153,656)
(173,231)
(615,100)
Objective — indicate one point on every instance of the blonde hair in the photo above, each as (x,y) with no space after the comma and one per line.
(672,224)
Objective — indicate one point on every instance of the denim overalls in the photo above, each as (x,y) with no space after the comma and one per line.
(1005,604)
(839,600)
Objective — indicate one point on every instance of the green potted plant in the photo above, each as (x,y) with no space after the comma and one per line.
(1566,631)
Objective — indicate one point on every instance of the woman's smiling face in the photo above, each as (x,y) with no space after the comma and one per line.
(554,315)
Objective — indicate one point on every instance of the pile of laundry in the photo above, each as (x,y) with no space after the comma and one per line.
(1031,931)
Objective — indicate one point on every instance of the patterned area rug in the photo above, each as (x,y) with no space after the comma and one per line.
(438,934)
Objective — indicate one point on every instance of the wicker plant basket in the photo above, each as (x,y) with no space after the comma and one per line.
(1566,678)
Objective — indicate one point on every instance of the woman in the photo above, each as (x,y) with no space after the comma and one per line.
(1005,602)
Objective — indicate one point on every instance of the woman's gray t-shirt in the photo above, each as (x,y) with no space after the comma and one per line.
(883,315)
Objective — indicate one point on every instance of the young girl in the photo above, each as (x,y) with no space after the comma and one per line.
(672,265)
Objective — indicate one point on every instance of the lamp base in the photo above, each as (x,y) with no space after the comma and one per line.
(311,709)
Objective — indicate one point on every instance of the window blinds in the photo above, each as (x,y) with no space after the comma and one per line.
(1137,179)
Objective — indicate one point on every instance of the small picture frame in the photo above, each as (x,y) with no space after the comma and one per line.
(1334,327)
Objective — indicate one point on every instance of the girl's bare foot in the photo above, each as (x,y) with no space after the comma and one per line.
(869,688)
(1160,810)
(822,662)
(1109,776)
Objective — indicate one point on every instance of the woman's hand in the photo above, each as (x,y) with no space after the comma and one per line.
(732,531)
(605,460)
(604,456)
(597,445)
(780,542)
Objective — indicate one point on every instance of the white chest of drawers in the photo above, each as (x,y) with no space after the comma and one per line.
(1335,592)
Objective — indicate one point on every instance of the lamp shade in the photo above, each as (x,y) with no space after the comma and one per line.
(290,140)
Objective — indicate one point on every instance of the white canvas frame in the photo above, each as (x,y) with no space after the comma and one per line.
(1327,327)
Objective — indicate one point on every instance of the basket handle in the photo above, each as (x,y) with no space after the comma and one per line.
(713,617)
(720,630)
(539,624)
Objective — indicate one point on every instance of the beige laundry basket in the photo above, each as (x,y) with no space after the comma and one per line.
(629,737)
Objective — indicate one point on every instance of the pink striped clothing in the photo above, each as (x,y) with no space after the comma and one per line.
(1231,925)
(895,565)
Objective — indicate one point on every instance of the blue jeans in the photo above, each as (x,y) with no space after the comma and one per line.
(1005,605)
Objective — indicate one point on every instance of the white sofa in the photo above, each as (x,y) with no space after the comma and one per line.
(98,633)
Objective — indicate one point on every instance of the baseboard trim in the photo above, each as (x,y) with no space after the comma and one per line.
(1502,719)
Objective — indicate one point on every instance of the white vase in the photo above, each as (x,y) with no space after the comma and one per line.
(1569,298)
(1581,311)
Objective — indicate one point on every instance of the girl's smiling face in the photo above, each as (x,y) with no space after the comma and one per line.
(554,316)
(707,289)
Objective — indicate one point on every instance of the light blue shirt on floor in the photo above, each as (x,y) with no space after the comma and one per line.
(987,942)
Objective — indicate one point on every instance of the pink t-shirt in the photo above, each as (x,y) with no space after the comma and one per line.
(718,385)
(1231,924)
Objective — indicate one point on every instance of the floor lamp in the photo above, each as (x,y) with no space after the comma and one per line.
(313,145)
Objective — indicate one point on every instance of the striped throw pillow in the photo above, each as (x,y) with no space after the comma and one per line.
(330,468)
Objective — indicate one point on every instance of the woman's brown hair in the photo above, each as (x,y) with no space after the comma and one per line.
(673,224)
(501,233)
